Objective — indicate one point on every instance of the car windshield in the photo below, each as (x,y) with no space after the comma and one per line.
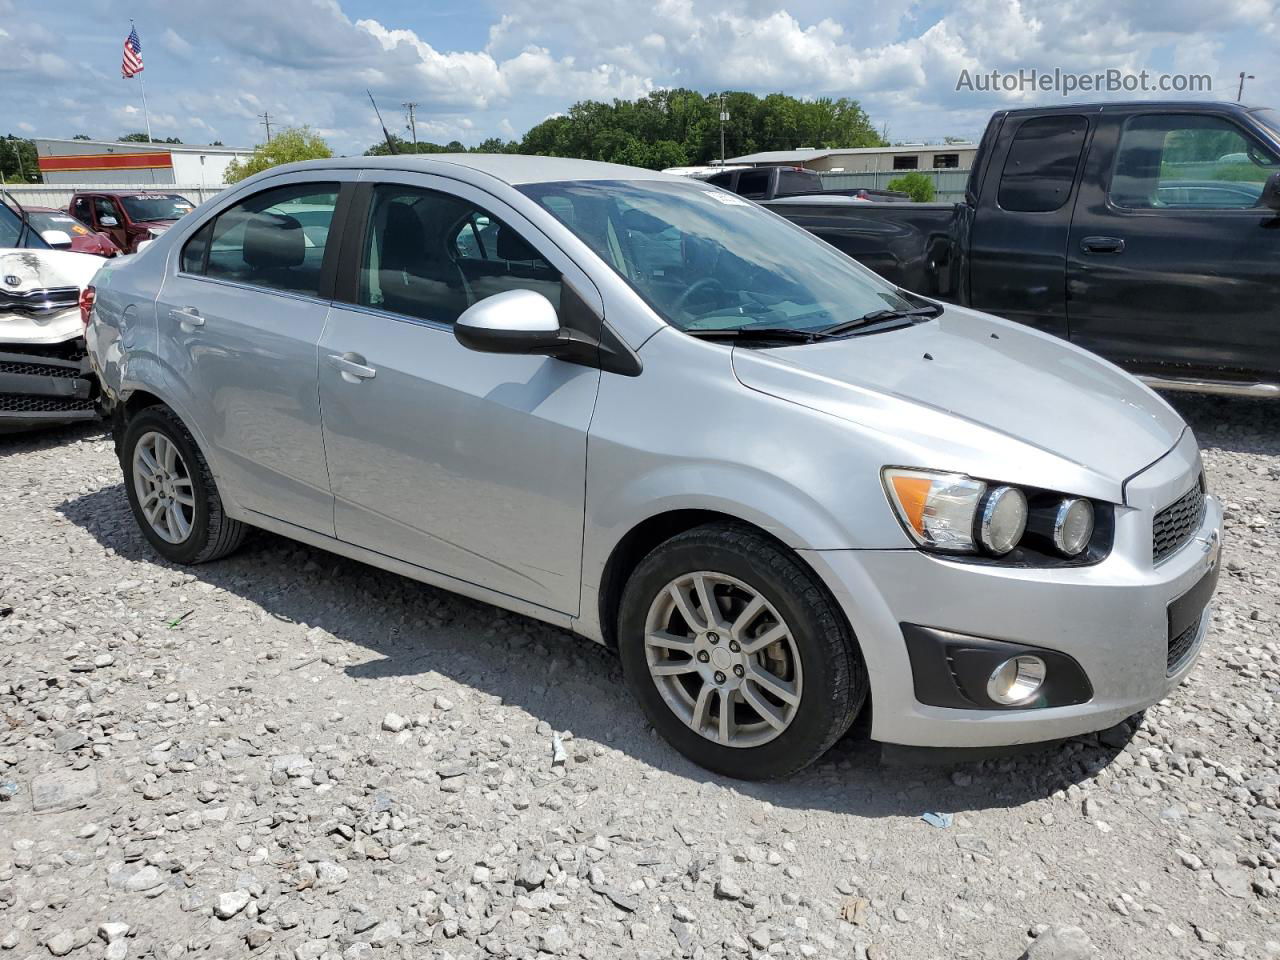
(705,259)
(43,221)
(156,206)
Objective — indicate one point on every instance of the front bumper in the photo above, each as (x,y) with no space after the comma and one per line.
(1112,619)
(45,387)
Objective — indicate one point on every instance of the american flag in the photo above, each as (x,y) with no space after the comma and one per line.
(132,63)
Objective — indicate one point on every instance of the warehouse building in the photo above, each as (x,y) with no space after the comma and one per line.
(118,164)
(914,156)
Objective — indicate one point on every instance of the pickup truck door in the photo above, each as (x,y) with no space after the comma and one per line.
(108,218)
(1018,244)
(1172,265)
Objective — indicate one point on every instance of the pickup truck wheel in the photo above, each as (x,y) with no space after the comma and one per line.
(171,490)
(737,653)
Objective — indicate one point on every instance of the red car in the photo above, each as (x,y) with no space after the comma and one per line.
(129,216)
(84,239)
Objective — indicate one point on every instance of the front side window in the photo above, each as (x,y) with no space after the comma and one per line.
(1041,167)
(1187,161)
(10,226)
(105,207)
(704,259)
(156,206)
(274,239)
(430,255)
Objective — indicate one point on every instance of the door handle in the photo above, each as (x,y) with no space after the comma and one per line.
(188,318)
(352,366)
(1102,245)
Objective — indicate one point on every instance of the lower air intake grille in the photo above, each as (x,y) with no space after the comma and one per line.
(1181,647)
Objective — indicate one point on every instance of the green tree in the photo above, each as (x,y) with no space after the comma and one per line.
(18,162)
(136,137)
(288,146)
(917,185)
(81,136)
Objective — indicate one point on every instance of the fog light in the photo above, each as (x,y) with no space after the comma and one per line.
(1073,526)
(1016,680)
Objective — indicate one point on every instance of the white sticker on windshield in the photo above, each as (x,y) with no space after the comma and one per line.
(731,199)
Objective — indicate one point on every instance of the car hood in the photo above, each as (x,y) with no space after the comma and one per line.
(980,395)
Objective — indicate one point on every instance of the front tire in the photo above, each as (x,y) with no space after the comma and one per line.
(738,655)
(172,492)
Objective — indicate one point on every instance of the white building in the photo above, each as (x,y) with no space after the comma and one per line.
(912,156)
(116,163)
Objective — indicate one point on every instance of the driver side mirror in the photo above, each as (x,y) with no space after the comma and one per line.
(58,239)
(1271,193)
(108,222)
(517,321)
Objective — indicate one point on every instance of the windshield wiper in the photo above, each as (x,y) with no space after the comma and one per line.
(879,316)
(759,333)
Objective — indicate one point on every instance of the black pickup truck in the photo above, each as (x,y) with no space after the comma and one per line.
(1146,232)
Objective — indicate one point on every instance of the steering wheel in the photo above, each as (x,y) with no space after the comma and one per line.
(706,283)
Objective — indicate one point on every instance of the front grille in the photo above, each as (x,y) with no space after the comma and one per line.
(26,403)
(1181,647)
(37,303)
(35,368)
(1177,523)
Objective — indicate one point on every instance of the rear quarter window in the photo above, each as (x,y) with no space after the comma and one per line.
(1041,166)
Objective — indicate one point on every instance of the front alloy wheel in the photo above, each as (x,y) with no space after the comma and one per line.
(723,659)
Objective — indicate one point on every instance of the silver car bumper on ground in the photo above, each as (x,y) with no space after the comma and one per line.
(1111,618)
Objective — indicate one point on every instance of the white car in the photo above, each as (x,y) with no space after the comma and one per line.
(44,376)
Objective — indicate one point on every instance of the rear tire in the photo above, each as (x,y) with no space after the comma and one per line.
(767,684)
(172,492)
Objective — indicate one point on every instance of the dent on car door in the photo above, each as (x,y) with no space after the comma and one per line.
(1172,257)
(469,464)
(239,319)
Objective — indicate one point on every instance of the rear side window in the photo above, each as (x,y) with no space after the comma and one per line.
(754,184)
(722,180)
(1041,166)
(274,239)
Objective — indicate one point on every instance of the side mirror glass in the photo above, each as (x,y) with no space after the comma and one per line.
(1271,193)
(517,321)
(108,222)
(56,238)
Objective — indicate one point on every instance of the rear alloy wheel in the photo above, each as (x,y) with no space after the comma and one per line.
(737,653)
(172,492)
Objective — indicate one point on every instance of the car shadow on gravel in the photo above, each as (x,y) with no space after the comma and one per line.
(414,631)
(1234,424)
(46,438)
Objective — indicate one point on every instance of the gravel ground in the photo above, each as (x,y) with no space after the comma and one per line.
(288,754)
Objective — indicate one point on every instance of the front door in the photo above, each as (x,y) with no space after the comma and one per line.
(239,317)
(1172,264)
(469,464)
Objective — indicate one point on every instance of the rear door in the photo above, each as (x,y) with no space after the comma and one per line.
(1172,262)
(469,464)
(1018,250)
(239,318)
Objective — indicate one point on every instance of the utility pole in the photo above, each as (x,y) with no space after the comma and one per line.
(266,122)
(1243,77)
(413,127)
(724,115)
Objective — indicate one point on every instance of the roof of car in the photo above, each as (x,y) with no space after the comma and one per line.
(117,192)
(1144,106)
(510,168)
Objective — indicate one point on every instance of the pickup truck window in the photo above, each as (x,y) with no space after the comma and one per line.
(1041,166)
(754,184)
(1188,161)
(704,259)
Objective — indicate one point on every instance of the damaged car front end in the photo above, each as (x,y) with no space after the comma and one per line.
(45,378)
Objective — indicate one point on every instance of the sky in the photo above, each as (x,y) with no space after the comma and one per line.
(478,68)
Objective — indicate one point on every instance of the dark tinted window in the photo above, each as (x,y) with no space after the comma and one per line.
(431,255)
(753,184)
(1041,166)
(946,161)
(275,238)
(906,162)
(194,252)
(10,226)
(1189,161)
(722,180)
(792,182)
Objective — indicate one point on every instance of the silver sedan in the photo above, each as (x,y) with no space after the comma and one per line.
(653,413)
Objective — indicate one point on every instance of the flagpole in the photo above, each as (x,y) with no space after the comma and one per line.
(145,112)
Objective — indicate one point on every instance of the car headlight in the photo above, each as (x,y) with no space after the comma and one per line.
(954,513)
